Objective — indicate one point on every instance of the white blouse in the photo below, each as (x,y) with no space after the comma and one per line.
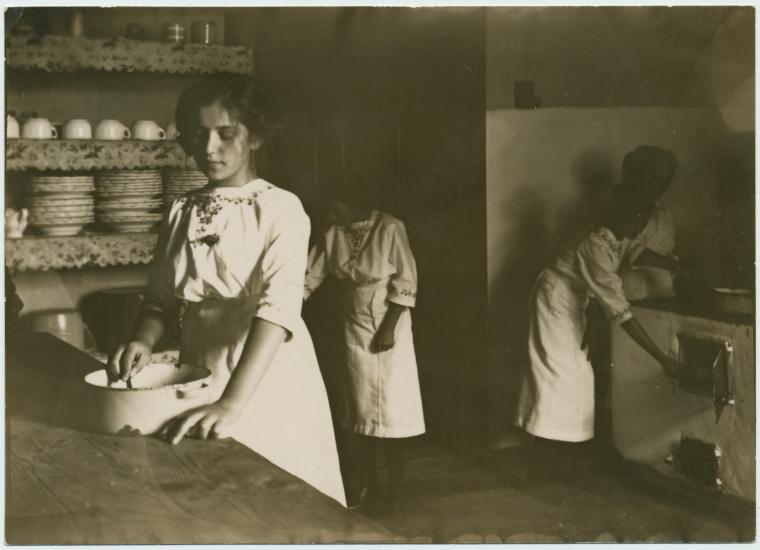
(366,252)
(231,243)
(591,265)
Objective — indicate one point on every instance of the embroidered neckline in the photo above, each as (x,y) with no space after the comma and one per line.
(356,233)
(209,203)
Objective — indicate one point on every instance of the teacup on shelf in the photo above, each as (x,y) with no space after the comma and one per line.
(77,128)
(147,130)
(110,129)
(15,222)
(12,130)
(38,128)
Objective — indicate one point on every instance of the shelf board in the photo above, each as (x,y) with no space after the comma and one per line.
(89,250)
(88,154)
(56,53)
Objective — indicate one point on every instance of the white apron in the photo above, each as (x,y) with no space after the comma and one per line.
(557,394)
(383,398)
(287,420)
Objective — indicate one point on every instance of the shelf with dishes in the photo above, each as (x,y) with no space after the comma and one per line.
(58,53)
(66,204)
(93,154)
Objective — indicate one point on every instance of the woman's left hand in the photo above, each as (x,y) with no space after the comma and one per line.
(205,422)
(385,338)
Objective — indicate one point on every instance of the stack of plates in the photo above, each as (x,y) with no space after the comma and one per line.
(178,182)
(129,200)
(61,205)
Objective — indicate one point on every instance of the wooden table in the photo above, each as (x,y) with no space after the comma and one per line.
(67,486)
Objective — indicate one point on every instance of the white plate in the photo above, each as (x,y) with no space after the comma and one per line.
(57,191)
(54,202)
(128,186)
(129,216)
(132,171)
(37,214)
(71,220)
(62,179)
(132,227)
(127,209)
(63,230)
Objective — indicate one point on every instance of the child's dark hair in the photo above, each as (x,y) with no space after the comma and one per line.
(241,95)
(346,185)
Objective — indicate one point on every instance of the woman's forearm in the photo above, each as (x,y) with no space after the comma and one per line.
(642,338)
(260,348)
(650,258)
(149,327)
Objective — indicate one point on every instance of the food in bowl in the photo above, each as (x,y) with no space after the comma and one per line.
(159,393)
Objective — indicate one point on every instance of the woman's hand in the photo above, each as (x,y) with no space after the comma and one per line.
(205,422)
(385,338)
(128,360)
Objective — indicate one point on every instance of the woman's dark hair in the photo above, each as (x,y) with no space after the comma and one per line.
(346,185)
(623,203)
(647,164)
(241,95)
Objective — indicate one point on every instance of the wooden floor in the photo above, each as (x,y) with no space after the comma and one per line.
(450,500)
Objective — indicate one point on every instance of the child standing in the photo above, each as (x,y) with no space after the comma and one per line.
(368,251)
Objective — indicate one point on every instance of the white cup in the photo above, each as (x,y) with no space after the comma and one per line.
(38,128)
(171,131)
(12,130)
(77,128)
(15,222)
(111,129)
(147,130)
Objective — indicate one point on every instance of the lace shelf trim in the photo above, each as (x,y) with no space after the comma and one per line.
(55,53)
(46,253)
(88,154)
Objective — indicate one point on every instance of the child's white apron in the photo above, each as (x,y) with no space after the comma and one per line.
(384,397)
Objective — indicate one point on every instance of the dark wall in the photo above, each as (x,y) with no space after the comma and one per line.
(400,95)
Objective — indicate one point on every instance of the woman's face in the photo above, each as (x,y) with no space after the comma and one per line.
(222,147)
(636,224)
(340,212)
(656,187)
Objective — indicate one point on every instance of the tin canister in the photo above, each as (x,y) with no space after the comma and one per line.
(203,32)
(174,32)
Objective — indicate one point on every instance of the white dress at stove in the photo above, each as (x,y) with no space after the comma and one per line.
(557,392)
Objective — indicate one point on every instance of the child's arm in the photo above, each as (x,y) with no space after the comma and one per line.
(403,287)
(316,268)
